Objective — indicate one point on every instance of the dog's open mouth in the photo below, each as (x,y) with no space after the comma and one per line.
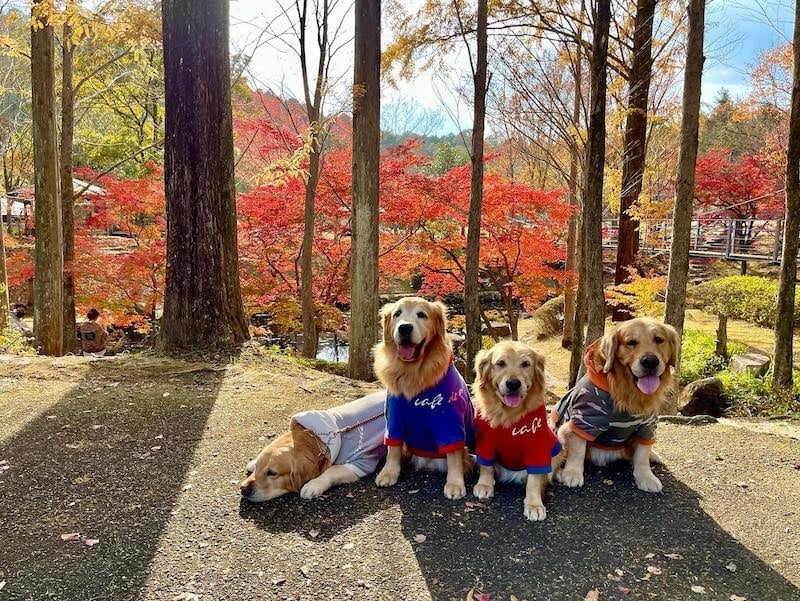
(647,384)
(511,400)
(409,351)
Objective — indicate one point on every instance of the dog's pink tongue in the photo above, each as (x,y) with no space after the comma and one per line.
(406,351)
(648,384)
(512,400)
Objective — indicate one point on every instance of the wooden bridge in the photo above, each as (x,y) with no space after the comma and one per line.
(728,239)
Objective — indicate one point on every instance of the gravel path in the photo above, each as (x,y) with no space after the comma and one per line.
(144,457)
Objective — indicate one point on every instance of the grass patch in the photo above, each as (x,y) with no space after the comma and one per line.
(12,342)
(698,359)
(336,368)
(752,396)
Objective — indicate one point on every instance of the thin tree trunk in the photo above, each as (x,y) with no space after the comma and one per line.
(592,260)
(634,144)
(48,285)
(721,342)
(67,196)
(5,306)
(570,287)
(576,354)
(366,174)
(784,319)
(471,282)
(675,307)
(202,299)
(310,334)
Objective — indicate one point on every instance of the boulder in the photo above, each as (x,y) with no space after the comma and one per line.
(703,397)
(497,329)
(754,364)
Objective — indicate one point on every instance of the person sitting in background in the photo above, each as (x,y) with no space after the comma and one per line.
(92,335)
(15,321)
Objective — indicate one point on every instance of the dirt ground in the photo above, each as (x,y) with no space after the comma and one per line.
(144,456)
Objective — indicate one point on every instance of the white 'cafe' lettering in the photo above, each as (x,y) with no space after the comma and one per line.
(535,425)
(432,403)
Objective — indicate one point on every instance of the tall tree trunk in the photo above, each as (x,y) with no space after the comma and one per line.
(592,259)
(366,173)
(675,307)
(471,282)
(67,194)
(310,334)
(570,287)
(784,319)
(48,285)
(634,144)
(202,300)
(5,306)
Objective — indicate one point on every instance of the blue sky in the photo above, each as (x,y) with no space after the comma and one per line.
(737,32)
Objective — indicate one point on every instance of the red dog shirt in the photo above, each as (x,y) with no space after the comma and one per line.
(529,444)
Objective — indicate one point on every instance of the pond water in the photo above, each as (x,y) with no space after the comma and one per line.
(332,348)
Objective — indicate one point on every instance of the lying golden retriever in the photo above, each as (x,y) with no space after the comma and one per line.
(428,408)
(515,441)
(613,409)
(321,449)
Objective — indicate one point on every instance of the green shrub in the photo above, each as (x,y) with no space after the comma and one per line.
(750,395)
(697,355)
(746,297)
(14,343)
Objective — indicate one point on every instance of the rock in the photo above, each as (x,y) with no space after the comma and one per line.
(498,329)
(703,397)
(456,340)
(754,364)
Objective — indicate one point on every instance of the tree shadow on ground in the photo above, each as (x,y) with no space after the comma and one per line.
(106,461)
(601,537)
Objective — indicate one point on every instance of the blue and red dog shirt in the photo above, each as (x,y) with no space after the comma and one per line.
(436,422)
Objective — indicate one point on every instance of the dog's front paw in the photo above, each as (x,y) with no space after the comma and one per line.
(535,513)
(571,478)
(313,489)
(483,491)
(387,477)
(455,490)
(648,482)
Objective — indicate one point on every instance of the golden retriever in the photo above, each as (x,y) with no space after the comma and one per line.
(429,413)
(515,441)
(322,449)
(614,408)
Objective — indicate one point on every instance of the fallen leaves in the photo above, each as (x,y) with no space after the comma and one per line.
(654,570)
(673,556)
(476,595)
(731,567)
(420,538)
(70,537)
(186,487)
(737,598)
(91,542)
(363,583)
(186,597)
(4,466)
(2,584)
(698,589)
(348,546)
(278,581)
(313,533)
(593,595)
(305,570)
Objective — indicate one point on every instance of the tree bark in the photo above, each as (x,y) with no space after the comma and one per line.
(634,144)
(202,302)
(471,282)
(5,306)
(721,342)
(48,285)
(67,195)
(570,287)
(592,260)
(784,319)
(310,334)
(366,174)
(675,307)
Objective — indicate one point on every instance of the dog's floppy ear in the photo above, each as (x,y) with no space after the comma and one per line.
(671,335)
(439,316)
(538,372)
(386,321)
(483,364)
(608,349)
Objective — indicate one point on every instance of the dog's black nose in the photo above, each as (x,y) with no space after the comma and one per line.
(513,385)
(405,330)
(650,361)
(246,490)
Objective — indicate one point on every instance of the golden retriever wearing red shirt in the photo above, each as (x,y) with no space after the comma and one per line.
(509,390)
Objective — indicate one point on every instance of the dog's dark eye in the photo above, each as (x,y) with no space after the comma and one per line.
(397,313)
(271,473)
(526,364)
(658,339)
(421,315)
(632,343)
(500,363)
